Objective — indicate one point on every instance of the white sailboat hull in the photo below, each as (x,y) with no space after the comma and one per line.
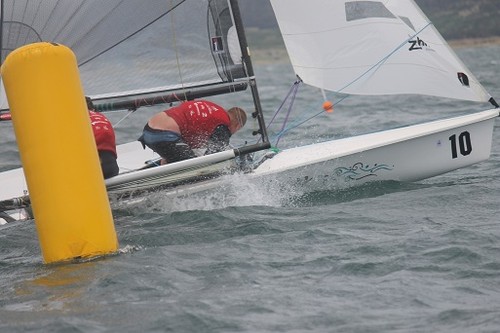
(404,154)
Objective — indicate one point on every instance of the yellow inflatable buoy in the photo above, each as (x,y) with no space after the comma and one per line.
(58,152)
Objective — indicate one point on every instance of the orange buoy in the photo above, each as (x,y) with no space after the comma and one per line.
(328,106)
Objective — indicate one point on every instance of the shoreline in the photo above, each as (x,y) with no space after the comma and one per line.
(272,54)
(468,42)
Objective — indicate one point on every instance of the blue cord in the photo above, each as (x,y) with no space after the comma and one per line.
(284,130)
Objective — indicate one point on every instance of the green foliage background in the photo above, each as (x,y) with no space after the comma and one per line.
(455,19)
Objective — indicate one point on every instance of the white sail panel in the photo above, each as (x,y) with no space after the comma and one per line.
(131,45)
(372,48)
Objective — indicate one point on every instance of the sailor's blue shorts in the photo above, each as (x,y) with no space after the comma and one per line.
(169,145)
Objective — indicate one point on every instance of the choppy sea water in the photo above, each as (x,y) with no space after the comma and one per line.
(390,257)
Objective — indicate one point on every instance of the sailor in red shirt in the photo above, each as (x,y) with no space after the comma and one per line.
(173,133)
(105,140)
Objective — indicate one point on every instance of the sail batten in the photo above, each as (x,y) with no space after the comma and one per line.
(372,48)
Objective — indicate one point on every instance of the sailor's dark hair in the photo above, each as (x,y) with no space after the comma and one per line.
(90,104)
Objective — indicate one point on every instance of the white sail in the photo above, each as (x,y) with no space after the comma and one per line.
(160,45)
(372,48)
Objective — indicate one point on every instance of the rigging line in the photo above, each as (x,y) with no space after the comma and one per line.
(377,65)
(297,124)
(33,23)
(22,20)
(123,118)
(49,15)
(8,36)
(134,33)
(384,59)
(174,38)
(290,106)
(18,42)
(293,88)
(69,18)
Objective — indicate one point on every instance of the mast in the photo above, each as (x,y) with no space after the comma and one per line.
(249,68)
